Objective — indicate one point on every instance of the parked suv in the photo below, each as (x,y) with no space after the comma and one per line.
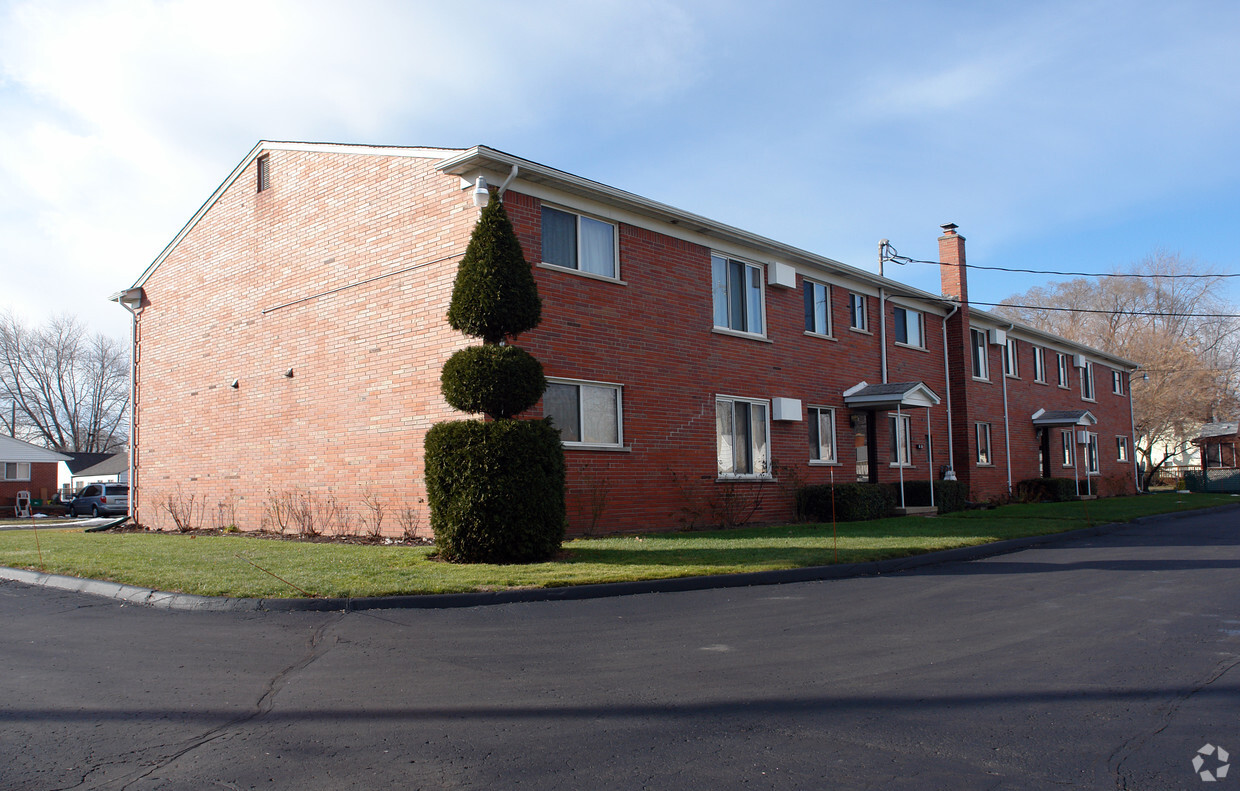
(101,499)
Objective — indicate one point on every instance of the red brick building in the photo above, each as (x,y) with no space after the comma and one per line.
(290,339)
(26,468)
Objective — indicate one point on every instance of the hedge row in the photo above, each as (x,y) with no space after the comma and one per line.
(855,502)
(1049,490)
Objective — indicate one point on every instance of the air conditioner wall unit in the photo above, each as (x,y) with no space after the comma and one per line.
(998,337)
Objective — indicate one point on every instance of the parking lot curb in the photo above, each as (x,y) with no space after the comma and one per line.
(148,597)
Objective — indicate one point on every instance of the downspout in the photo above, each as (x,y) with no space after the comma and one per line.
(1132,426)
(947,377)
(882,313)
(133,389)
(504,187)
(1007,434)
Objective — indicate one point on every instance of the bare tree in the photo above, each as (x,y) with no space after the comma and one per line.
(62,385)
(1190,360)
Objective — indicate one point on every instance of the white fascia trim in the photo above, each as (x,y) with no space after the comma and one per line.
(267,145)
(1053,342)
(694,226)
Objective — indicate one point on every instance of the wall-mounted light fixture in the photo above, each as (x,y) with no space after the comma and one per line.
(482,195)
(288,374)
(235,384)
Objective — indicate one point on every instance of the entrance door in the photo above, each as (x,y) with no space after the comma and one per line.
(1044,451)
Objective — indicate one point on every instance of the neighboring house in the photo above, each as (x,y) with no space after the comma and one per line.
(1217,443)
(87,468)
(26,468)
(295,329)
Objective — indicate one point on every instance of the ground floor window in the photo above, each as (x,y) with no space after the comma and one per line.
(1091,454)
(901,432)
(1121,448)
(1069,454)
(586,413)
(822,434)
(741,431)
(983,444)
(16,470)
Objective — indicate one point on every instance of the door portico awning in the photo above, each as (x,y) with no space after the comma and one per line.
(902,395)
(1064,417)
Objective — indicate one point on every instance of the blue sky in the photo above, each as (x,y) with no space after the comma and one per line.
(1057,135)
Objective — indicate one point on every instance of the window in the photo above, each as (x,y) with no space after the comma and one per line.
(1091,455)
(901,432)
(585,413)
(16,470)
(983,444)
(981,365)
(908,327)
(1010,365)
(856,312)
(737,289)
(822,434)
(1039,364)
(264,172)
(1087,382)
(817,308)
(1121,449)
(1069,451)
(1117,382)
(1063,370)
(741,431)
(574,241)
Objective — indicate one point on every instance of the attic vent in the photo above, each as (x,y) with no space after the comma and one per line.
(264,172)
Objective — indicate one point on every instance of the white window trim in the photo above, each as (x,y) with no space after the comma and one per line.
(4,470)
(1067,441)
(1063,371)
(1093,461)
(615,246)
(835,445)
(865,313)
(990,448)
(1117,382)
(745,476)
(974,334)
(728,330)
(1121,448)
(1011,363)
(902,420)
(619,388)
(921,327)
(830,333)
(1039,365)
(1087,376)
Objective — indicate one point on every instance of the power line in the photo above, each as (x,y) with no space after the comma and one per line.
(890,254)
(1164,314)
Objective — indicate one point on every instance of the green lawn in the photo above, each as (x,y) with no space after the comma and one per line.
(216,566)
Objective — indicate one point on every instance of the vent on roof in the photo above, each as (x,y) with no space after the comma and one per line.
(264,172)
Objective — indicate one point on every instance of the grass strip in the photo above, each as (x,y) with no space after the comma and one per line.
(243,567)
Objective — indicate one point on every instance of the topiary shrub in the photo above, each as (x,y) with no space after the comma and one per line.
(854,502)
(496,490)
(498,381)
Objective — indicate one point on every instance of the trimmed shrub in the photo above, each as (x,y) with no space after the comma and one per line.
(854,502)
(1048,490)
(499,381)
(495,295)
(496,490)
(949,496)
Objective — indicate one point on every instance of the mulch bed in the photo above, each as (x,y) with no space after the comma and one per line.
(322,538)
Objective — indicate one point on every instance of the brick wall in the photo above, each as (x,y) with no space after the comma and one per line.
(42,485)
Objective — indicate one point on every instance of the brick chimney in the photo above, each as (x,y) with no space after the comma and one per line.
(951,264)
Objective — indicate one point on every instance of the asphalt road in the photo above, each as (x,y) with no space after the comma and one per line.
(1103,663)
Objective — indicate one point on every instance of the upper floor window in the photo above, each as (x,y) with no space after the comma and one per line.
(264,172)
(909,327)
(901,427)
(1039,364)
(737,292)
(1063,370)
(741,430)
(575,241)
(586,413)
(1087,381)
(16,470)
(856,312)
(1010,365)
(977,342)
(1117,382)
(821,434)
(817,308)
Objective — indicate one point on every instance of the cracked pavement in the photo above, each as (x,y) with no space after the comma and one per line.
(1101,663)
